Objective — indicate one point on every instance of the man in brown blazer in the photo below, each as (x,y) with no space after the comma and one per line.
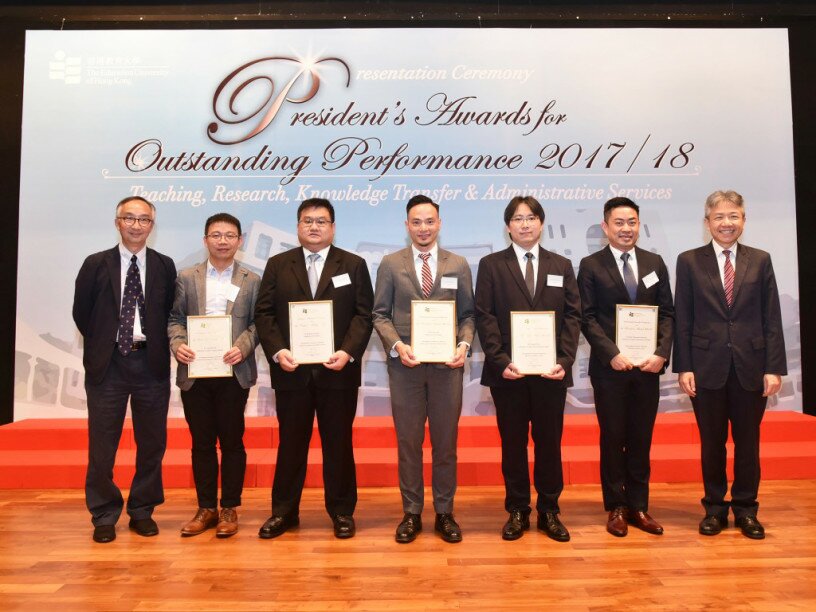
(527,277)
(214,407)
(729,351)
(316,270)
(627,393)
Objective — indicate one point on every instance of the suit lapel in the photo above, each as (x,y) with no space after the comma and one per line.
(543,269)
(513,268)
(114,262)
(712,269)
(238,277)
(330,269)
(611,266)
(408,263)
(151,264)
(741,269)
(644,269)
(441,268)
(298,263)
(200,288)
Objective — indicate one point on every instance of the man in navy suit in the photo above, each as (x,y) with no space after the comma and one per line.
(729,352)
(627,393)
(126,356)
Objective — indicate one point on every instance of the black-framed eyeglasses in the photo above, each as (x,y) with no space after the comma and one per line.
(130,221)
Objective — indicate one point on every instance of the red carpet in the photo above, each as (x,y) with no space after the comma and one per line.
(52,453)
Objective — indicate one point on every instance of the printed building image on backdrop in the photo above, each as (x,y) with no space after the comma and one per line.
(253,122)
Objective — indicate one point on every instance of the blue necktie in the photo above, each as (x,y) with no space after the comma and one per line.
(132,298)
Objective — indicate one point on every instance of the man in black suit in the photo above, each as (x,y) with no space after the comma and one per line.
(126,356)
(316,270)
(627,392)
(729,352)
(526,277)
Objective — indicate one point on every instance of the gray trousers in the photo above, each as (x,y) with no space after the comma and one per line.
(434,394)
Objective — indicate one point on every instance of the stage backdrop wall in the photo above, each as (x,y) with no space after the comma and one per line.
(253,122)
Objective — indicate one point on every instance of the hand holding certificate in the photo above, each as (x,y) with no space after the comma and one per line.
(210,338)
(532,342)
(311,331)
(636,331)
(433,330)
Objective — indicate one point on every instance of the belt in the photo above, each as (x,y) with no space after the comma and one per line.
(138,346)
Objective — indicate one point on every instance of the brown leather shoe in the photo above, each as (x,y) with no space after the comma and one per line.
(616,523)
(227,523)
(202,521)
(643,521)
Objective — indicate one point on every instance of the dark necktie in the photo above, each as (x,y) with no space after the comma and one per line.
(728,279)
(427,279)
(529,275)
(629,278)
(132,298)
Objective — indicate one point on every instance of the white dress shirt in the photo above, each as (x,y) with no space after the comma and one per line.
(721,259)
(632,261)
(218,289)
(433,262)
(521,256)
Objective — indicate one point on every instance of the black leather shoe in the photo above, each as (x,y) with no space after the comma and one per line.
(408,529)
(144,527)
(751,527)
(276,525)
(447,527)
(343,526)
(104,533)
(554,528)
(516,525)
(712,525)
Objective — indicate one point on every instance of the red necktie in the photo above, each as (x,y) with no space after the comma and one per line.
(728,279)
(427,279)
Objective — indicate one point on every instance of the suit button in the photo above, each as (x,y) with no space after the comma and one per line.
(731,324)
(729,345)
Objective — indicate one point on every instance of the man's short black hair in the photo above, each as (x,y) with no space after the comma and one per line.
(619,202)
(420,199)
(316,203)
(530,201)
(222,217)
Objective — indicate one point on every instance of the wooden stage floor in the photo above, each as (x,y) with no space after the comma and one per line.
(49,562)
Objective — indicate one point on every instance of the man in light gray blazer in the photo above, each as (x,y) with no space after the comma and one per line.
(423,392)
(214,407)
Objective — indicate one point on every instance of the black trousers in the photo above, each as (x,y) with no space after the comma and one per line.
(539,402)
(714,410)
(127,378)
(626,406)
(335,410)
(214,409)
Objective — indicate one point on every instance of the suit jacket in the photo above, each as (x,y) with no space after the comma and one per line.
(601,287)
(709,335)
(500,289)
(97,302)
(285,280)
(398,285)
(191,300)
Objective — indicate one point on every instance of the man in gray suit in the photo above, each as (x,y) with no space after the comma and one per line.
(214,407)
(424,391)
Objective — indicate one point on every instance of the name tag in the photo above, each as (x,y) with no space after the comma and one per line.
(341,280)
(232,292)
(650,279)
(555,280)
(449,282)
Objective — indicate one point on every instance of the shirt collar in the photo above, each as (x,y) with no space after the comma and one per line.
(520,252)
(127,255)
(434,251)
(718,250)
(213,273)
(617,253)
(324,253)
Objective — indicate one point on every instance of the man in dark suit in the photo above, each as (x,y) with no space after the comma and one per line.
(316,270)
(626,392)
(729,351)
(126,356)
(214,406)
(423,392)
(526,277)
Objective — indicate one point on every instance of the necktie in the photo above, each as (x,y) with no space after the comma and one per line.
(728,279)
(132,298)
(312,270)
(529,275)
(629,278)
(427,279)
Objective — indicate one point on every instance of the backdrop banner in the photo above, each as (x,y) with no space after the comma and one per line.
(252,122)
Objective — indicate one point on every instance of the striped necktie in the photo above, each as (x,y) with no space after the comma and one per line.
(728,279)
(427,279)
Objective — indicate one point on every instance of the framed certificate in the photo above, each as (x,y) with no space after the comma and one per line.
(532,341)
(311,331)
(636,331)
(210,337)
(433,330)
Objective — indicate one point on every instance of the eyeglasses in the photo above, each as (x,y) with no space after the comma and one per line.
(130,221)
(321,222)
(229,236)
(519,219)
